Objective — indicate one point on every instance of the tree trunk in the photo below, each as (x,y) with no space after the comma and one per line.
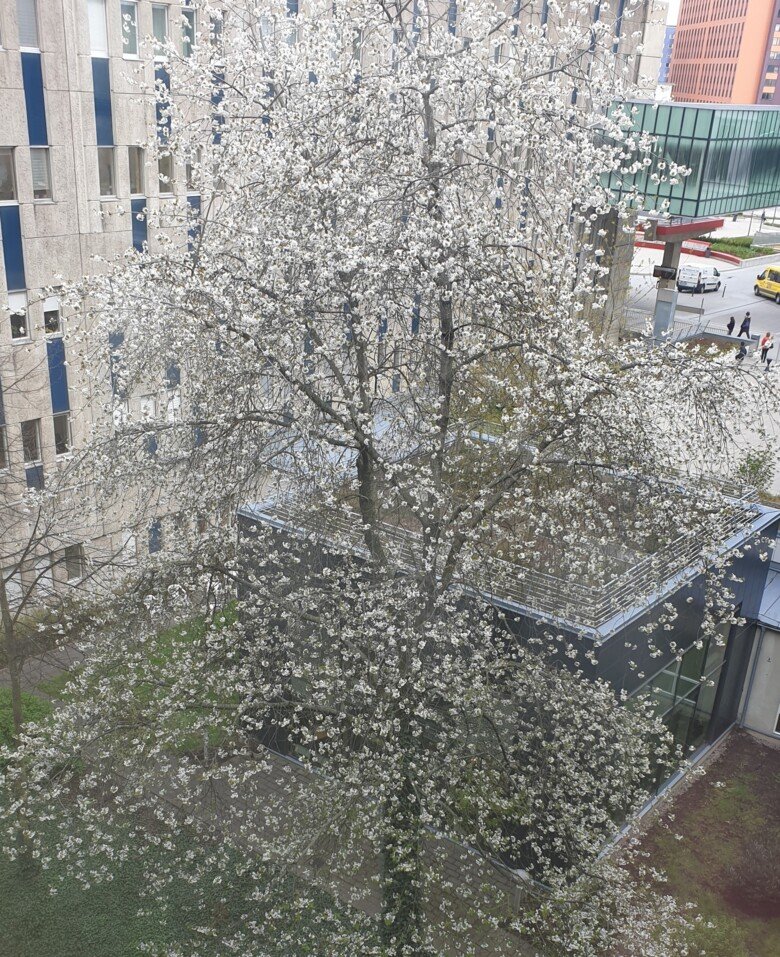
(14,659)
(402,900)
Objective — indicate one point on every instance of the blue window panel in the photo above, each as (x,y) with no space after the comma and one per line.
(348,321)
(396,382)
(217,96)
(499,188)
(115,340)
(292,8)
(382,328)
(32,78)
(172,376)
(150,444)
(452,16)
(13,256)
(194,229)
(101,85)
(58,375)
(619,21)
(34,476)
(162,77)
(416,315)
(198,436)
(155,536)
(137,207)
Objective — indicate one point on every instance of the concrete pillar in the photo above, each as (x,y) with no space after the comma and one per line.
(666,300)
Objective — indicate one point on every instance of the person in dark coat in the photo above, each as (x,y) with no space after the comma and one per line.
(730,326)
(741,353)
(745,327)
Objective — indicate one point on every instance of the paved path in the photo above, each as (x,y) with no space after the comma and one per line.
(43,668)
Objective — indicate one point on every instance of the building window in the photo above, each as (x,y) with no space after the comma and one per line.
(62,437)
(52,322)
(165,173)
(129,29)
(17,304)
(28,24)
(31,440)
(191,166)
(155,536)
(187,32)
(74,562)
(136,158)
(106,170)
(128,550)
(41,172)
(217,29)
(3,448)
(159,28)
(98,38)
(7,176)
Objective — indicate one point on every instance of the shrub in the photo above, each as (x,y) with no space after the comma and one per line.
(34,710)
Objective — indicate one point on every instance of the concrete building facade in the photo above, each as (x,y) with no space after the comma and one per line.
(75,186)
(718,54)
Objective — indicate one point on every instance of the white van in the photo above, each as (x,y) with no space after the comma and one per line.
(698,279)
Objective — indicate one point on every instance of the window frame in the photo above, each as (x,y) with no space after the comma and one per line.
(102,151)
(38,460)
(5,460)
(20,294)
(165,189)
(189,34)
(126,33)
(63,416)
(141,152)
(52,304)
(23,47)
(79,557)
(157,53)
(100,49)
(46,152)
(10,151)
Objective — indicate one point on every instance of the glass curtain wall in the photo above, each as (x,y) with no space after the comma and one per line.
(731,151)
(683,692)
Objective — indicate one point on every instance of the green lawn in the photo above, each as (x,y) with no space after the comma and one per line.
(114,919)
(722,850)
(741,246)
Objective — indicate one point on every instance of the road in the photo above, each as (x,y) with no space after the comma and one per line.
(734,298)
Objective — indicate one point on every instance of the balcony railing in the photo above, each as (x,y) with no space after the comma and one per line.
(562,600)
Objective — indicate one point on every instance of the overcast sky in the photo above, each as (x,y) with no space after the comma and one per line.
(674,6)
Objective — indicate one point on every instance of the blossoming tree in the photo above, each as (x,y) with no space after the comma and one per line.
(375,297)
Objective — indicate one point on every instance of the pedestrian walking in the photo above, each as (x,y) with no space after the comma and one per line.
(741,353)
(764,345)
(730,326)
(769,353)
(745,327)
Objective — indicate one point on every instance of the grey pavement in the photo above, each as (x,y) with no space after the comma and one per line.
(735,296)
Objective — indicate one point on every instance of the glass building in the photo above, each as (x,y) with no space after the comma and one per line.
(732,152)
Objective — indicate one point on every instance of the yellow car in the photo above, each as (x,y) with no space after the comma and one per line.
(768,283)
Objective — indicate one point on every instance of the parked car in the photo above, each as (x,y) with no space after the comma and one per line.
(768,283)
(698,279)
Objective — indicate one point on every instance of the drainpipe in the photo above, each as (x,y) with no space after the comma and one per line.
(753,670)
